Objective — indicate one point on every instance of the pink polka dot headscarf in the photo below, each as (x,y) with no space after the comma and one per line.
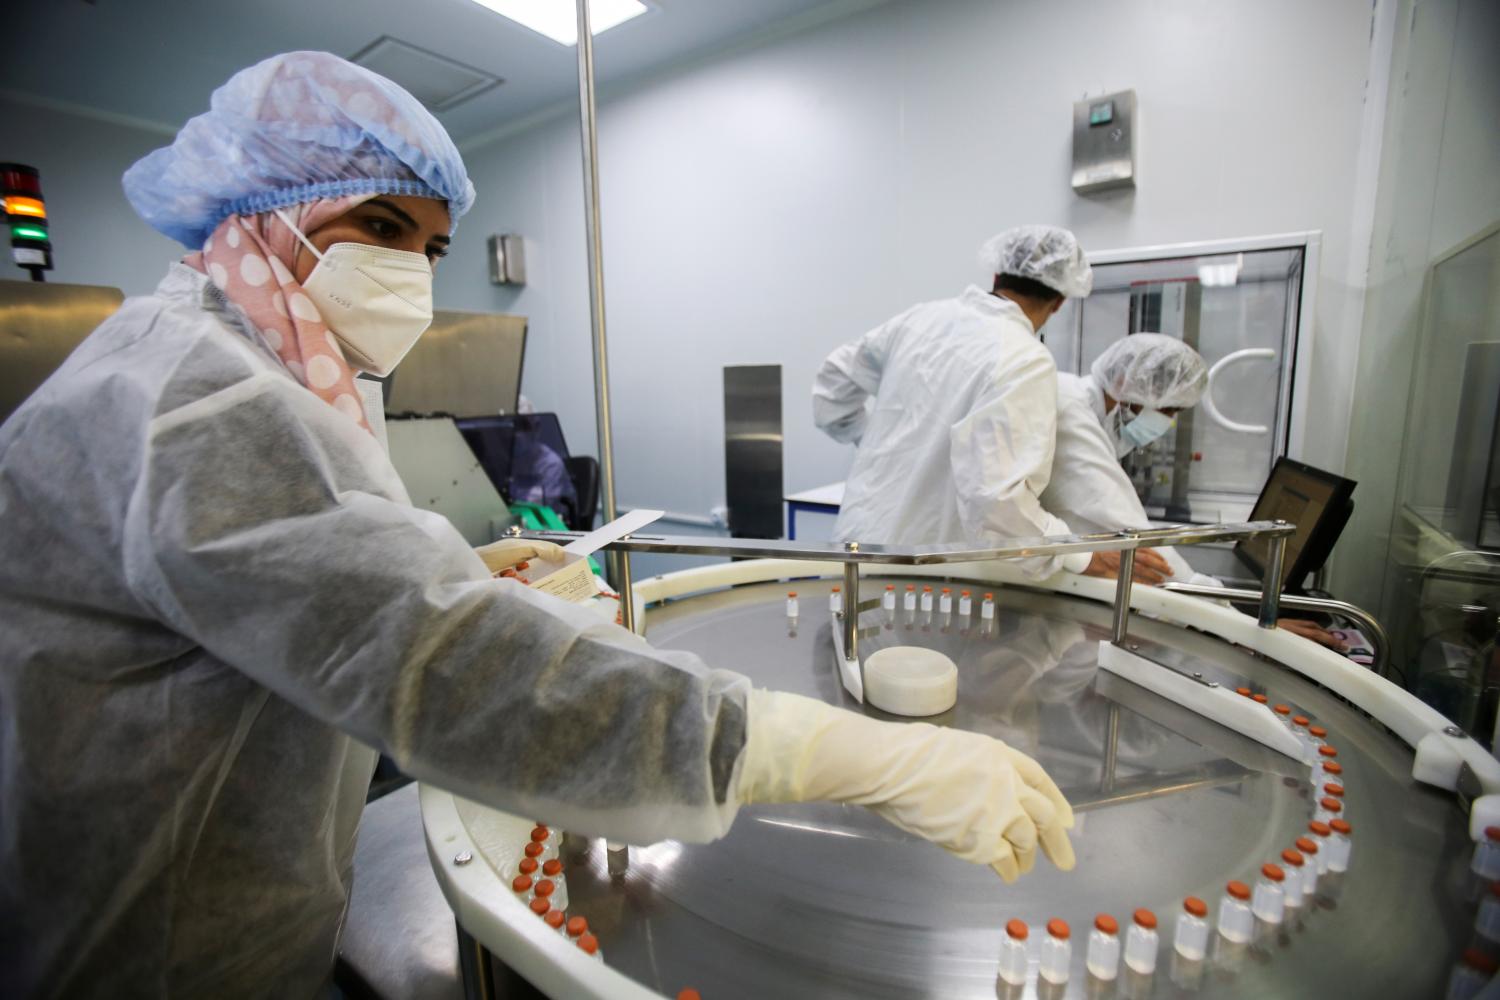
(250,259)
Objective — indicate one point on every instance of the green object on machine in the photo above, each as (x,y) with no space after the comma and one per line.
(539,517)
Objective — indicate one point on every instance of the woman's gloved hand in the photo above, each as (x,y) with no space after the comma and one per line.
(508,553)
(966,792)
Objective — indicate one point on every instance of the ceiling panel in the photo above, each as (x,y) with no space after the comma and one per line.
(158,60)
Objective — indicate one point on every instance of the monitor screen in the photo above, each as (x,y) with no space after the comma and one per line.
(1314,500)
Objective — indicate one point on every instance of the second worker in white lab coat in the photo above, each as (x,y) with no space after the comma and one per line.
(1130,397)
(957,447)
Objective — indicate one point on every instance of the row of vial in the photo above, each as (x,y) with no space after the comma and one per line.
(541,884)
(1291,884)
(1476,967)
(945,602)
(1314,740)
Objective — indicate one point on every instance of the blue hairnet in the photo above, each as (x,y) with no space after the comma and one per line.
(296,127)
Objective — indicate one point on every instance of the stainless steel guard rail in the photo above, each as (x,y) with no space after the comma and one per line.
(851,554)
(1378,638)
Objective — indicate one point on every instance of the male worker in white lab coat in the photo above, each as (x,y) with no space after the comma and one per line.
(958,445)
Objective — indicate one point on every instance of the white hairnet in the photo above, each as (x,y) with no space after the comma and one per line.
(1048,254)
(293,128)
(1152,370)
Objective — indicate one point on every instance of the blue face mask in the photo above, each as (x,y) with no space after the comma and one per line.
(1144,428)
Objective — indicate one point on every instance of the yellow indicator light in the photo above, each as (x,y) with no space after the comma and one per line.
(18,205)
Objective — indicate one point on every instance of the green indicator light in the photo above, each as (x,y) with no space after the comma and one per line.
(27,233)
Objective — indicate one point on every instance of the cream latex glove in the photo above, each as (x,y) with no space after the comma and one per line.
(966,792)
(508,553)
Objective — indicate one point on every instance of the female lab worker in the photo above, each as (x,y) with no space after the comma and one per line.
(1129,398)
(218,602)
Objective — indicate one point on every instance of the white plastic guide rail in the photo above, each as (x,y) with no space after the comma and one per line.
(1207,698)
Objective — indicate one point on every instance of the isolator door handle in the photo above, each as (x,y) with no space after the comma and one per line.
(1208,394)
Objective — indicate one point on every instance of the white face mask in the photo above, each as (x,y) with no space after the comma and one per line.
(376,301)
(1147,426)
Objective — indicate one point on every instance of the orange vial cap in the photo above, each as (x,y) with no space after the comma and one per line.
(791,593)
(1332,767)
(1492,833)
(552,869)
(540,906)
(521,883)
(890,586)
(1018,929)
(1106,924)
(927,590)
(1238,889)
(1292,858)
(1195,906)
(588,943)
(1273,872)
(911,586)
(1059,929)
(577,926)
(947,590)
(1337,791)
(1306,846)
(546,887)
(1242,692)
(1330,803)
(1282,709)
(528,866)
(1321,829)
(1145,918)
(1326,751)
(1340,826)
(1317,731)
(989,597)
(539,834)
(688,994)
(965,594)
(534,850)
(555,919)
(835,589)
(1259,699)
(1300,720)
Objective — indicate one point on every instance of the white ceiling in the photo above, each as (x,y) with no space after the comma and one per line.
(158,60)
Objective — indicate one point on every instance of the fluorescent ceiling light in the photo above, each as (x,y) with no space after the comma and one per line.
(558,19)
(1220,272)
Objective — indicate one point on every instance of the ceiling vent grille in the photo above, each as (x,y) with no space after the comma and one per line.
(436,81)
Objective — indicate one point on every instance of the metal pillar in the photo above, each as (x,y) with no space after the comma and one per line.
(619,562)
(1122,595)
(1270,588)
(850,621)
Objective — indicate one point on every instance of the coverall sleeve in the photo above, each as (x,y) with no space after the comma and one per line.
(1087,477)
(270,535)
(849,376)
(1001,455)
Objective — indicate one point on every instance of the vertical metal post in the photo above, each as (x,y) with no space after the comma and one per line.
(619,562)
(1270,587)
(851,611)
(1111,748)
(1122,595)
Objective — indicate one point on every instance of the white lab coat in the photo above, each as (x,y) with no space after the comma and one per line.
(215,599)
(1088,489)
(957,448)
